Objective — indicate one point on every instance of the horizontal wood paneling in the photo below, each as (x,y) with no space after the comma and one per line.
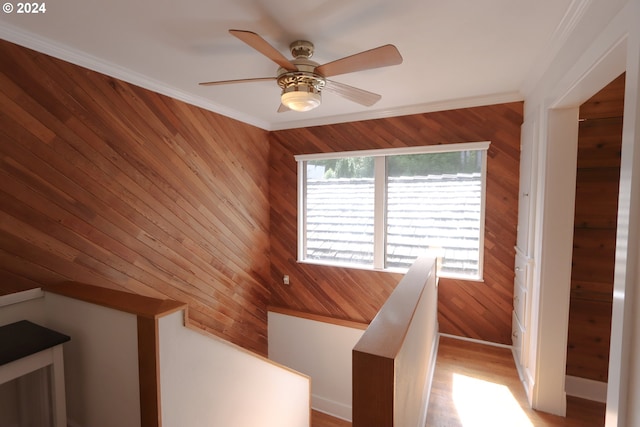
(606,103)
(479,310)
(594,239)
(112,185)
(589,336)
(600,143)
(601,185)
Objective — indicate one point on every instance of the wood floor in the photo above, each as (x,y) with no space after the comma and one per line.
(318,419)
(477,385)
(488,375)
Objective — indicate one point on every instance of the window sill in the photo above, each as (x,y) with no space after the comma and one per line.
(393,270)
(353,266)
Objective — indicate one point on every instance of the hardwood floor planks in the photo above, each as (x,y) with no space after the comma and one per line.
(320,419)
(493,368)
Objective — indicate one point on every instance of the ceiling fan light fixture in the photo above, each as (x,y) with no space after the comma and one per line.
(303,80)
(301,97)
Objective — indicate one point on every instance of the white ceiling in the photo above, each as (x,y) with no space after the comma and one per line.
(457,53)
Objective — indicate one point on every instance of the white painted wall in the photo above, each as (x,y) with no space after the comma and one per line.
(320,350)
(206,381)
(9,404)
(603,41)
(555,260)
(633,416)
(28,305)
(416,361)
(624,360)
(101,362)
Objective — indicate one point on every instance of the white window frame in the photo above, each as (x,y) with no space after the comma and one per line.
(380,199)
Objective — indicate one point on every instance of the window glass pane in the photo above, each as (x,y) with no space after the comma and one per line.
(434,204)
(339,210)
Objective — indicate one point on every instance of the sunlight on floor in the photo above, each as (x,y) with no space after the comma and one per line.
(482,403)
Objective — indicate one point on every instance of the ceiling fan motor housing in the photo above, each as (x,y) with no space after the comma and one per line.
(305,80)
(301,49)
(301,89)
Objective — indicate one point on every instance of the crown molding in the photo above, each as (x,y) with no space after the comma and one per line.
(565,28)
(86,60)
(454,104)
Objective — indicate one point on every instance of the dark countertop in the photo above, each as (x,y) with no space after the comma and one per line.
(24,338)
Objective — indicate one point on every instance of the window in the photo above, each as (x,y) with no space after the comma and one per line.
(382,209)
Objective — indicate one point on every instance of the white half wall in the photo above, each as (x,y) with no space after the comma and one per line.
(320,350)
(100,362)
(27,305)
(206,381)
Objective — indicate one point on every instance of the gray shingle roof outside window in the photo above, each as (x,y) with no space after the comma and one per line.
(340,220)
(441,212)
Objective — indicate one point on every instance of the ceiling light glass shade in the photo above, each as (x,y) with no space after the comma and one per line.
(301,99)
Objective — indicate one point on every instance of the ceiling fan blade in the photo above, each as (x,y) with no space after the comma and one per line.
(262,46)
(283,108)
(382,56)
(351,93)
(225,82)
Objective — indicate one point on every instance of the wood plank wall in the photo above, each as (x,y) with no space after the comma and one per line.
(479,310)
(594,242)
(112,185)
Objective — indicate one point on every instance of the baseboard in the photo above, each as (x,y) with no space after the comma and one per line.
(333,408)
(477,341)
(586,389)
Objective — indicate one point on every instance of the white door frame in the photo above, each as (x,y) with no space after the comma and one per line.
(612,54)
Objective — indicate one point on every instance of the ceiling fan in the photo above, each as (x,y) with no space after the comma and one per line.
(302,80)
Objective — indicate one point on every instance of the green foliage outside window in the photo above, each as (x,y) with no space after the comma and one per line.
(434,163)
(404,165)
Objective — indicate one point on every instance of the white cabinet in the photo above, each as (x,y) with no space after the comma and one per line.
(521,319)
(527,185)
(517,333)
(520,306)
(523,330)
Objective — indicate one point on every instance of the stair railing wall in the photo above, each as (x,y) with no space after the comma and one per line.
(394,360)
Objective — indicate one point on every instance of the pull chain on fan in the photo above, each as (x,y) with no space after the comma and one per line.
(302,80)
